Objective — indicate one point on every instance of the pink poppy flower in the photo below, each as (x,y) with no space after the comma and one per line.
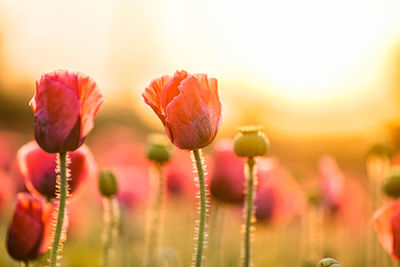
(64,105)
(38,169)
(188,106)
(179,175)
(133,186)
(386,222)
(279,197)
(227,178)
(333,183)
(341,195)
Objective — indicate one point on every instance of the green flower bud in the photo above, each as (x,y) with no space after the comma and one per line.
(328,262)
(158,148)
(108,186)
(251,142)
(391,186)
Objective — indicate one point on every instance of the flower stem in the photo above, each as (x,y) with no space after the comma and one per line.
(155,218)
(248,213)
(201,230)
(111,224)
(62,168)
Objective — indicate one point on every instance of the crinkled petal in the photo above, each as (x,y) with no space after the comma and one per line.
(91,99)
(171,90)
(152,95)
(193,117)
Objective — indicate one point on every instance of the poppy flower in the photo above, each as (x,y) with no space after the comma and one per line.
(38,169)
(386,222)
(333,183)
(227,178)
(279,197)
(188,106)
(178,175)
(343,196)
(133,186)
(64,105)
(29,232)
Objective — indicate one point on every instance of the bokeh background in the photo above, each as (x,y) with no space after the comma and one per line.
(321,77)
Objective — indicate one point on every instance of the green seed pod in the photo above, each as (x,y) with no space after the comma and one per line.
(108,186)
(158,148)
(328,262)
(251,142)
(391,186)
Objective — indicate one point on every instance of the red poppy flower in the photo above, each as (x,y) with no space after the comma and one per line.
(29,233)
(227,179)
(386,222)
(188,106)
(38,169)
(64,105)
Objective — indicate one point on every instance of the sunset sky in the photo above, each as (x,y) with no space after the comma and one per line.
(312,66)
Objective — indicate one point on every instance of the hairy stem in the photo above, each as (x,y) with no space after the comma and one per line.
(201,230)
(248,213)
(155,218)
(62,196)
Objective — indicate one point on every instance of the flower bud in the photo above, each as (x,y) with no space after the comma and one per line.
(158,149)
(108,186)
(391,186)
(328,262)
(250,142)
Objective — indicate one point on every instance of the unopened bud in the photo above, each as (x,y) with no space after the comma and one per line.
(251,142)
(108,184)
(158,148)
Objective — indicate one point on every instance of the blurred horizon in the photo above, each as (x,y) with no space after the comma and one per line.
(303,71)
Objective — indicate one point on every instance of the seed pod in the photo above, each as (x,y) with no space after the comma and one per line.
(251,142)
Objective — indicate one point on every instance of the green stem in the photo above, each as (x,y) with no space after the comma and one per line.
(111,224)
(216,225)
(203,210)
(250,194)
(155,219)
(107,220)
(61,207)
